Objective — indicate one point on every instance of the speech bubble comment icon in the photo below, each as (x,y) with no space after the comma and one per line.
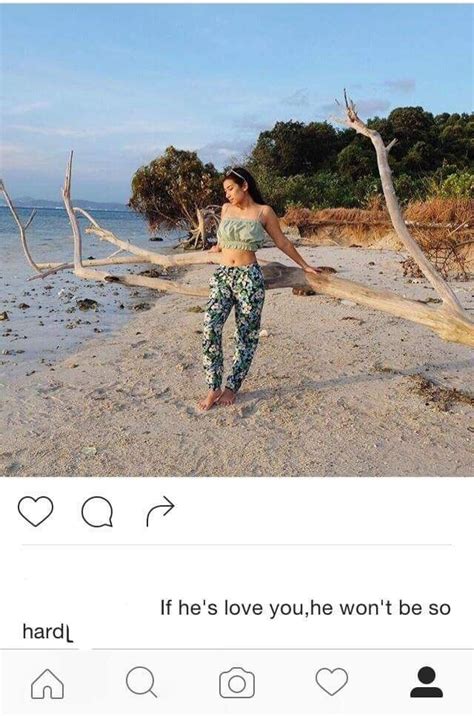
(97,512)
(140,681)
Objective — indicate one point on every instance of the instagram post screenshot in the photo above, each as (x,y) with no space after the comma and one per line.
(236,359)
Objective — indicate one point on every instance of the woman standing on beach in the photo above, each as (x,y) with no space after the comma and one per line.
(239,282)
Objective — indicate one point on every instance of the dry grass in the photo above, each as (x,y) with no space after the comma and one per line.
(444,228)
(442,211)
(340,226)
(306,218)
(455,212)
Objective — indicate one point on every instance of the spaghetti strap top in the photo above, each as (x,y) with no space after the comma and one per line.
(243,234)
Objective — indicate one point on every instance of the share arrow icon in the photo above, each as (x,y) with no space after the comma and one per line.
(167,509)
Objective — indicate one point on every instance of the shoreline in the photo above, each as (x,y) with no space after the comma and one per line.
(334,389)
(32,338)
(52,316)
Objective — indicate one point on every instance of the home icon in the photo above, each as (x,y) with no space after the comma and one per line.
(47,685)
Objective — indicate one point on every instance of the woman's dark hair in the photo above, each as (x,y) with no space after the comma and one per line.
(254,191)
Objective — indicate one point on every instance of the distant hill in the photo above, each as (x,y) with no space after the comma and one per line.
(28,201)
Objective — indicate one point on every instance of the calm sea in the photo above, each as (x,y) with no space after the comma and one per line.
(44,319)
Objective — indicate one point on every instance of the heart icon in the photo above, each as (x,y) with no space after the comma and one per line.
(35,510)
(332,680)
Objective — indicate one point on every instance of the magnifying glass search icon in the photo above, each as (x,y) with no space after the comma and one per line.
(140,681)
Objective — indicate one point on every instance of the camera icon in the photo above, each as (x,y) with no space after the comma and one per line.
(237,684)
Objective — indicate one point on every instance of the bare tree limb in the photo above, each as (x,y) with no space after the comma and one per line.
(279,276)
(22,228)
(72,217)
(448,320)
(453,326)
(33,214)
(456,328)
(457,228)
(48,269)
(438,283)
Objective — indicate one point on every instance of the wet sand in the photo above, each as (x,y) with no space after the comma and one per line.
(334,389)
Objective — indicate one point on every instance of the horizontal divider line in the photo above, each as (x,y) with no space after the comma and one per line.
(40,648)
(245,648)
(232,544)
(291,648)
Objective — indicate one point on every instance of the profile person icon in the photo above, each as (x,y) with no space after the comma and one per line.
(426,675)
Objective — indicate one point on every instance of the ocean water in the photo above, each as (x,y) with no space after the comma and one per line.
(50,324)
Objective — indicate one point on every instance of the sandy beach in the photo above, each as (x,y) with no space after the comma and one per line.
(335,389)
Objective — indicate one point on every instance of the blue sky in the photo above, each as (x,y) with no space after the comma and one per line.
(120,83)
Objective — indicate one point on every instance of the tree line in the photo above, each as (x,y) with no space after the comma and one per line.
(317,166)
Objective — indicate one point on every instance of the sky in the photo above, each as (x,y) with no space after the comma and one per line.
(120,83)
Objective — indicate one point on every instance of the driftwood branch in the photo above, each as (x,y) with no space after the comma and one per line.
(439,284)
(449,320)
(458,329)
(22,228)
(48,269)
(72,218)
(152,257)
(449,327)
(279,276)
(32,216)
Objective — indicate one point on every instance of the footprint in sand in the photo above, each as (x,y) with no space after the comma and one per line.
(245,411)
(181,405)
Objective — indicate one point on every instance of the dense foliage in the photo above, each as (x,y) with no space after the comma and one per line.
(170,189)
(318,166)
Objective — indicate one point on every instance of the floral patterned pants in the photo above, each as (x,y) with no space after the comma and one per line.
(244,288)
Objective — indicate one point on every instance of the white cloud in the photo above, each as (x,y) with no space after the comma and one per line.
(221,152)
(26,108)
(369,106)
(8,149)
(54,131)
(142,148)
(249,122)
(402,85)
(299,98)
(129,127)
(15,156)
(364,107)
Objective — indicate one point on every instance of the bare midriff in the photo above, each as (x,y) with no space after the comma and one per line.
(237,257)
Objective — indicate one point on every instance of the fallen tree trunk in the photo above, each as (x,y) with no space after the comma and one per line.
(457,328)
(449,320)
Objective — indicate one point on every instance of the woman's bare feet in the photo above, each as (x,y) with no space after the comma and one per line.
(227,397)
(211,398)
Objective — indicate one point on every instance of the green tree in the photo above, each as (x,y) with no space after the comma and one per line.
(292,148)
(456,139)
(355,162)
(458,185)
(169,190)
(416,149)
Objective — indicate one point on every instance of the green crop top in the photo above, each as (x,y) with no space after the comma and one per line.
(243,234)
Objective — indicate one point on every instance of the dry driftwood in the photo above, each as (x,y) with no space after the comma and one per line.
(449,320)
(21,228)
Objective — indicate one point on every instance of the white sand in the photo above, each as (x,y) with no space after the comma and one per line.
(316,401)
